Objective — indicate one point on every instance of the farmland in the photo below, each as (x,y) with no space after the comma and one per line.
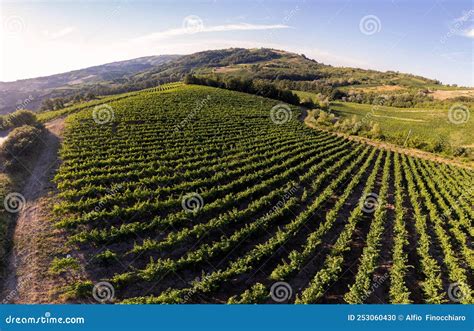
(195,194)
(423,123)
(441,128)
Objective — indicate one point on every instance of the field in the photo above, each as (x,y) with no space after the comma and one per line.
(414,127)
(202,195)
(423,123)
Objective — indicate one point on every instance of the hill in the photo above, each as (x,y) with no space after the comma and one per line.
(284,69)
(29,93)
(193,194)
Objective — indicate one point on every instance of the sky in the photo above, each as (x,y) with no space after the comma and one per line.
(429,38)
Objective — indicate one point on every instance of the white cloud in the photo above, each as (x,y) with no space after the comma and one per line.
(59,33)
(216,28)
(469,33)
(458,25)
(466,16)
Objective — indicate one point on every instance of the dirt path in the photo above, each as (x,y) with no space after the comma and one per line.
(34,236)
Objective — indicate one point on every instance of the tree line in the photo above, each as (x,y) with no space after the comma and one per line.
(257,87)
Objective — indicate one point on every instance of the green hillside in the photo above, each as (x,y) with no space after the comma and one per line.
(284,69)
(442,127)
(277,66)
(203,195)
(422,125)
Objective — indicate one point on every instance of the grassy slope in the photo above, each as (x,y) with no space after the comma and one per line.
(50,115)
(290,63)
(423,123)
(429,124)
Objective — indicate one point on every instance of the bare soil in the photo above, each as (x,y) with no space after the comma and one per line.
(443,95)
(35,240)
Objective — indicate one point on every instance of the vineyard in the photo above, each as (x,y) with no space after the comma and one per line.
(192,194)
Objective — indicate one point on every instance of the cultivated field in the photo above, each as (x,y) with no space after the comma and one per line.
(203,195)
(409,122)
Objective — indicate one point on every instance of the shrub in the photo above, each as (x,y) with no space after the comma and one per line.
(438,145)
(17,118)
(308,103)
(256,294)
(60,265)
(22,117)
(461,151)
(323,119)
(3,122)
(105,257)
(376,131)
(21,143)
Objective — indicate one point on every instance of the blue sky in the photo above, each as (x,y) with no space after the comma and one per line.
(429,38)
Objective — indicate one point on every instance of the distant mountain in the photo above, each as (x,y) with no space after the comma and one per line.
(29,93)
(288,69)
(284,69)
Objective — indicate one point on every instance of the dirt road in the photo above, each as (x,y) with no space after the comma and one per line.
(34,236)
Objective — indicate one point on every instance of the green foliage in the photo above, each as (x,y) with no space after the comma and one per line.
(122,186)
(401,99)
(6,220)
(248,86)
(21,144)
(53,104)
(258,293)
(426,129)
(375,131)
(79,289)
(17,118)
(106,257)
(84,104)
(60,265)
